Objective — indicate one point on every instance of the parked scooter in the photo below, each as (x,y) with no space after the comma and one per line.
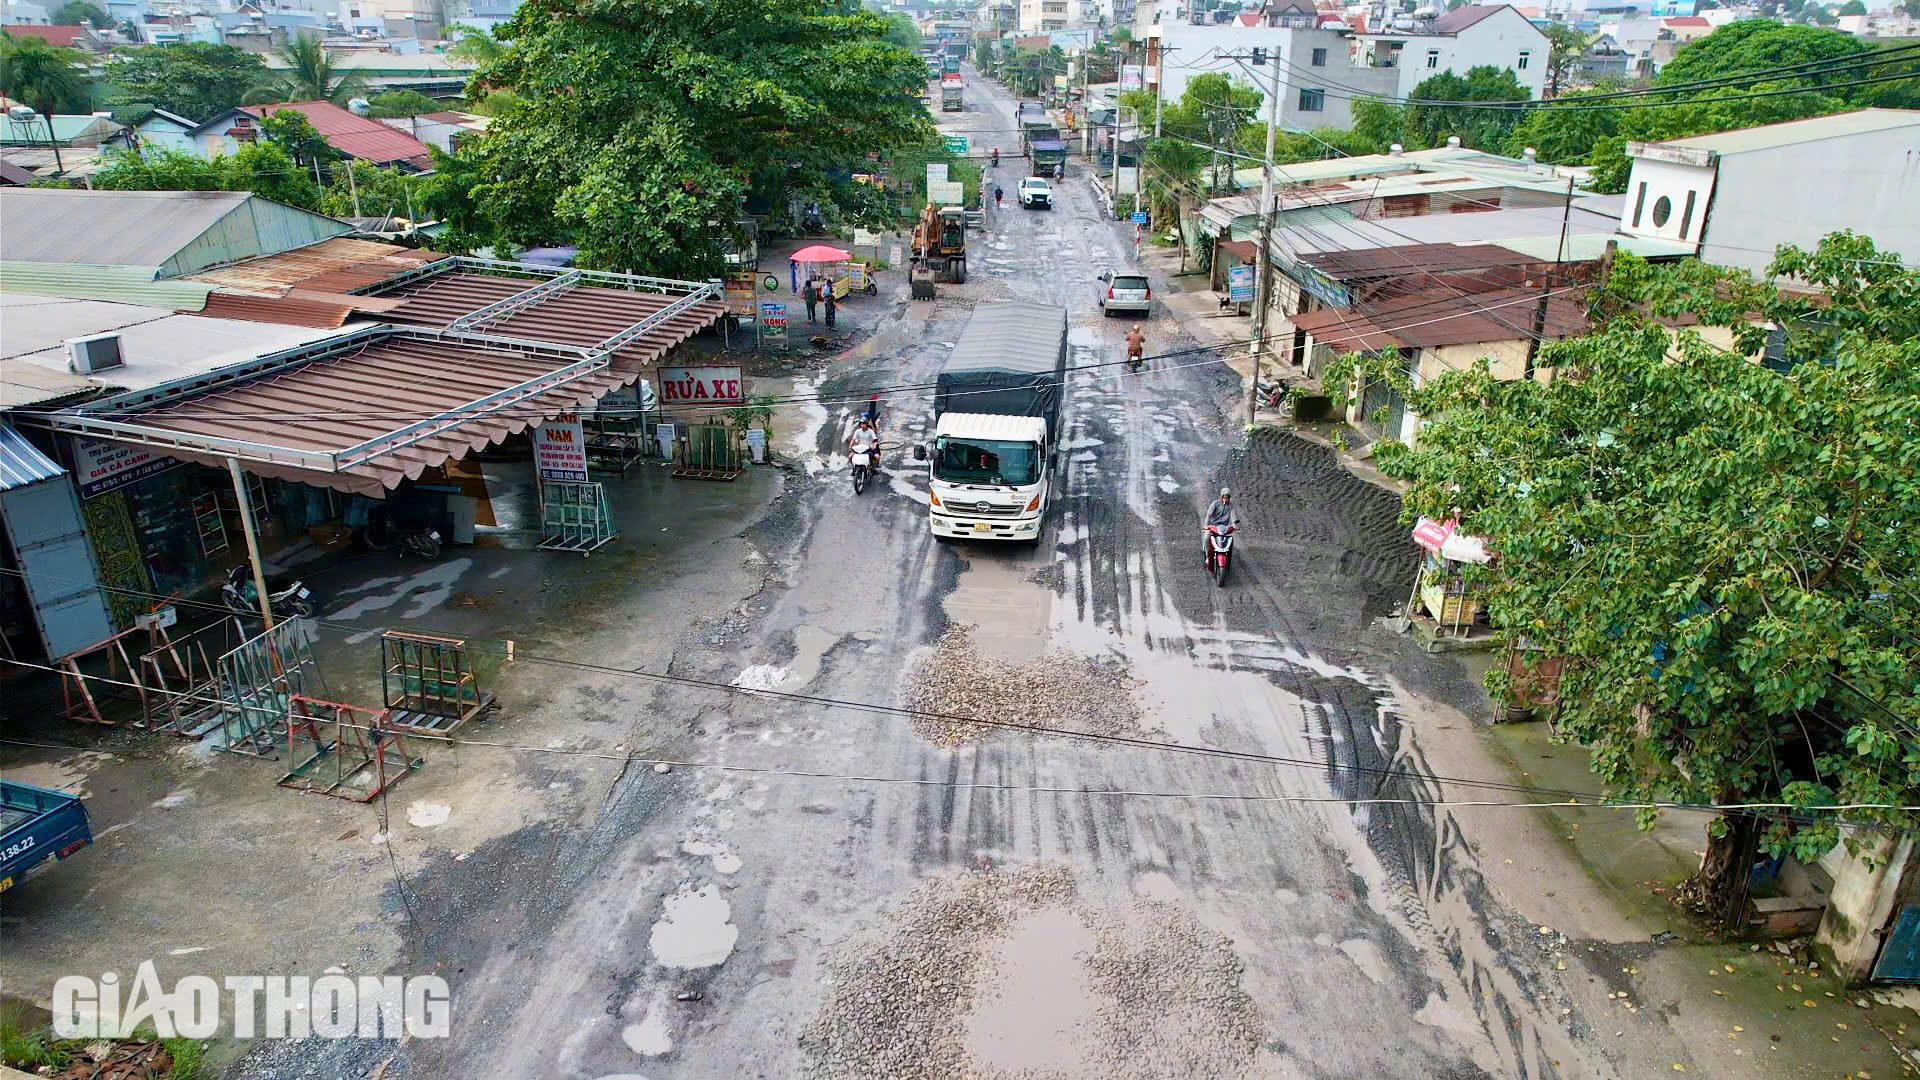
(384,533)
(242,598)
(1219,552)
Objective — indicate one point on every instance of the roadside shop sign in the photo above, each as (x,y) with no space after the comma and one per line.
(773,320)
(1139,217)
(1240,283)
(1130,76)
(740,295)
(936,173)
(101,467)
(560,448)
(857,272)
(944,193)
(710,385)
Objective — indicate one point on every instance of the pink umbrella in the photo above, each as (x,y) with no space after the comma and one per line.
(819,253)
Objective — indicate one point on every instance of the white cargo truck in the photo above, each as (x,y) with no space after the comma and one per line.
(993,465)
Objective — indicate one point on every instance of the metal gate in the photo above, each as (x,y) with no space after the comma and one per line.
(50,545)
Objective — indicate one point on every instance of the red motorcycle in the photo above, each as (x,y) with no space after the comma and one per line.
(1219,552)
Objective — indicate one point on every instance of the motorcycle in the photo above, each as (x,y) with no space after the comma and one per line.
(863,470)
(996,159)
(241,598)
(385,533)
(1135,362)
(1219,552)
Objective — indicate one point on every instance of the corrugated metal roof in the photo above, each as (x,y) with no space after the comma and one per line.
(582,316)
(1412,258)
(1010,335)
(273,275)
(357,136)
(391,379)
(171,233)
(1793,132)
(23,384)
(22,463)
(108,228)
(1433,318)
(116,284)
(287,310)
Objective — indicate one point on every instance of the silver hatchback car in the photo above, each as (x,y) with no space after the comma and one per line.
(1124,292)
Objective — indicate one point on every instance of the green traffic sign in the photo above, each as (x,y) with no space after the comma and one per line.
(956,144)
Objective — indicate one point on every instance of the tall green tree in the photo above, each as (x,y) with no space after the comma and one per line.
(295,134)
(193,79)
(641,121)
(1566,47)
(47,79)
(1722,550)
(75,12)
(310,74)
(1481,128)
(473,45)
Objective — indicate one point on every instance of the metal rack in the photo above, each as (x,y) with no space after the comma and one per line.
(428,683)
(575,516)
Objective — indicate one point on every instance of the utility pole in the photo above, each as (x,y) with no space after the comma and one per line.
(1263,258)
(1159,79)
(1546,285)
(353,186)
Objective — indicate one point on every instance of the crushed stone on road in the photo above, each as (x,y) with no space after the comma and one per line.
(1062,691)
(1163,994)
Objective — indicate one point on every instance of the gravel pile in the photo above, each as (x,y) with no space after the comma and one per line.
(1171,1002)
(901,989)
(1166,990)
(1063,691)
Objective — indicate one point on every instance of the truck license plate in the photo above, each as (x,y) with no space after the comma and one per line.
(982,527)
(5,884)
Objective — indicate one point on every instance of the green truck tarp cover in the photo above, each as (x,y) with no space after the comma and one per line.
(1011,360)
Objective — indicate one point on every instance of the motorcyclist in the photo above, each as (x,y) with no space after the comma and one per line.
(1222,511)
(872,415)
(996,157)
(1136,347)
(998,194)
(864,440)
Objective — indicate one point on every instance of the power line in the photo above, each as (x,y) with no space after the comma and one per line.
(1522,106)
(1796,812)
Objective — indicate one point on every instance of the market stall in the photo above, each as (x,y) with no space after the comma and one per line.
(828,264)
(1443,599)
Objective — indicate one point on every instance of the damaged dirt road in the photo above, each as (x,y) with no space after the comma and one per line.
(712,842)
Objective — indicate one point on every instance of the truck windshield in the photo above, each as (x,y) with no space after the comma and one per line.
(986,461)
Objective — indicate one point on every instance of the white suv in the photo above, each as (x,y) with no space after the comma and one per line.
(1035,192)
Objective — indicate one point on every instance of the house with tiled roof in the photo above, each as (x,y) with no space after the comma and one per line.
(63,37)
(358,137)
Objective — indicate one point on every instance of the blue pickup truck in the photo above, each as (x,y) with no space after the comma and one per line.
(37,826)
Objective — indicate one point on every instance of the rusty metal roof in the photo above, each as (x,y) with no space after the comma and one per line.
(315,266)
(360,412)
(1435,318)
(574,307)
(1413,259)
(310,286)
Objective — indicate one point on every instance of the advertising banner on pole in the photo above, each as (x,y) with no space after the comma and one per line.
(560,448)
(1130,77)
(945,193)
(709,385)
(936,172)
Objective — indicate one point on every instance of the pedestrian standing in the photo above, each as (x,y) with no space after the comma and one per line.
(811,295)
(827,295)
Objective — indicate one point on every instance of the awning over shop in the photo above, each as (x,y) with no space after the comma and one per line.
(637,319)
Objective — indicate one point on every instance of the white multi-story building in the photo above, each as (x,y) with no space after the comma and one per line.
(1323,67)
(1458,41)
(1041,15)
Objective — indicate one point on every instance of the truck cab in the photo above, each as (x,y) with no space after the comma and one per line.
(990,478)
